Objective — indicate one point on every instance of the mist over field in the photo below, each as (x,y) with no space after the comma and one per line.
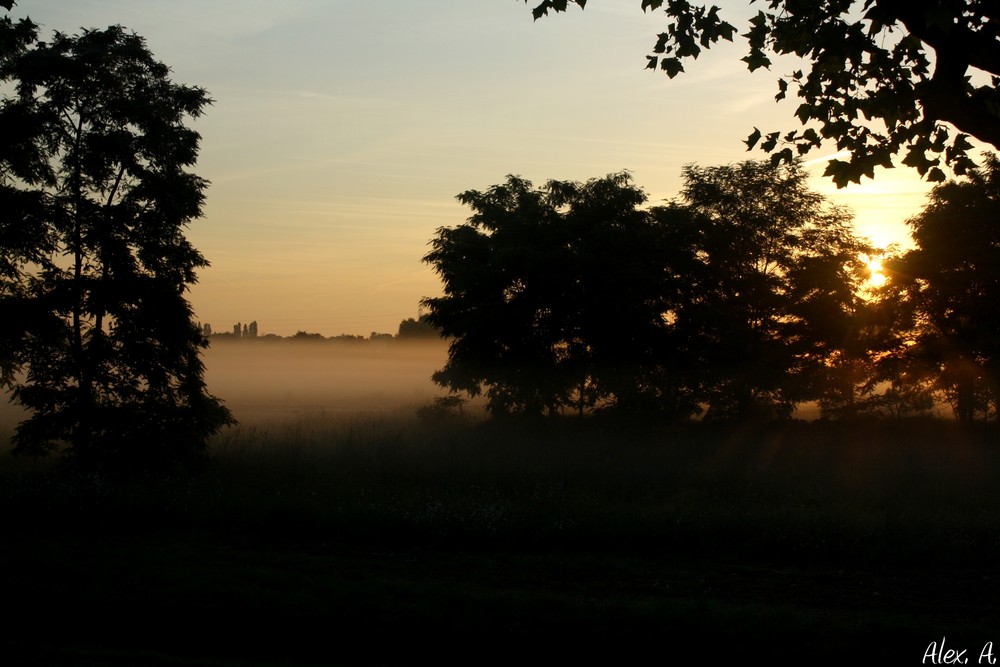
(286,380)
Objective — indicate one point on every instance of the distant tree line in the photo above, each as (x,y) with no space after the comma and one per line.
(410,329)
(742,298)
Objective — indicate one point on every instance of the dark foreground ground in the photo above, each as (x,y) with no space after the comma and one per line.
(369,540)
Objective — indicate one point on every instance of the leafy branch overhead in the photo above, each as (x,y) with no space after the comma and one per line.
(878,78)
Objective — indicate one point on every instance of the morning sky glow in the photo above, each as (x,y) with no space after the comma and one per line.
(341,131)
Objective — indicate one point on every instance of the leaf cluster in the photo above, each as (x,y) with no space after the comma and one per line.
(880,78)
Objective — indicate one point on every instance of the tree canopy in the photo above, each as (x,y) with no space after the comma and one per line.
(99,341)
(736,297)
(946,293)
(773,289)
(878,78)
(553,296)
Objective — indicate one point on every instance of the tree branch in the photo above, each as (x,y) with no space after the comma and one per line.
(978,48)
(947,96)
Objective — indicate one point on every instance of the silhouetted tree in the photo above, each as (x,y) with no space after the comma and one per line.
(743,295)
(305,336)
(94,264)
(417,329)
(554,297)
(625,270)
(948,291)
(845,382)
(14,37)
(23,242)
(900,383)
(909,65)
(772,301)
(500,281)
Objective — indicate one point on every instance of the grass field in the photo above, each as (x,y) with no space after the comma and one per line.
(368,538)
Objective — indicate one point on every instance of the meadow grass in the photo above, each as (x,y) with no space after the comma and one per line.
(817,487)
(588,535)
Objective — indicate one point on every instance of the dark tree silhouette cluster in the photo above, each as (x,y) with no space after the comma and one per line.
(553,296)
(737,297)
(98,338)
(770,301)
(942,298)
(417,329)
(744,297)
(247,331)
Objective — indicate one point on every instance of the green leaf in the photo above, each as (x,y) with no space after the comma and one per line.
(662,40)
(782,89)
(752,140)
(785,156)
(916,157)
(756,60)
(771,142)
(672,66)
(962,143)
(841,173)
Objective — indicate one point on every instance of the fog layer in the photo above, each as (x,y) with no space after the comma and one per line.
(268,381)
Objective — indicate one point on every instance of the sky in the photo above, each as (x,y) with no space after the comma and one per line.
(341,131)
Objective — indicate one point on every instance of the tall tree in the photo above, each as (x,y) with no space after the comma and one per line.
(554,297)
(881,77)
(771,302)
(949,289)
(95,266)
(497,275)
(625,268)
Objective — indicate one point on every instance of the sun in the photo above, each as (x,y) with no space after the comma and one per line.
(876,272)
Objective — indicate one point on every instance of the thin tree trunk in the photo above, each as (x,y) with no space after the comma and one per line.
(83,436)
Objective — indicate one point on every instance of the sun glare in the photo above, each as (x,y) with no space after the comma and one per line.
(876,272)
(881,206)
